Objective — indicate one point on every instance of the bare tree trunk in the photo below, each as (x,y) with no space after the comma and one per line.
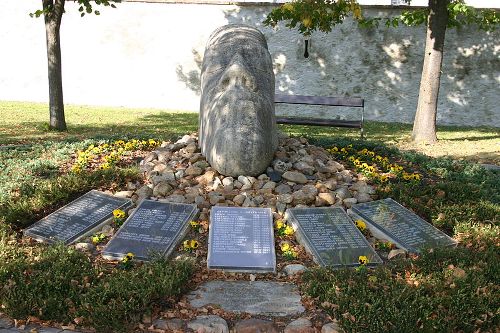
(424,125)
(53,15)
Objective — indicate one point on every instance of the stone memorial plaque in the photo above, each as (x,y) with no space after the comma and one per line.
(77,219)
(330,236)
(267,298)
(241,239)
(400,225)
(154,228)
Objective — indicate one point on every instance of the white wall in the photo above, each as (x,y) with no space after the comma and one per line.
(149,55)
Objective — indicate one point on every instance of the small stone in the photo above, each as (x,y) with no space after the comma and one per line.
(255,325)
(363,197)
(269,185)
(124,194)
(239,199)
(301,325)
(162,189)
(201,164)
(209,324)
(281,207)
(459,273)
(144,192)
(295,177)
(244,180)
(349,202)
(302,197)
(285,198)
(86,247)
(248,203)
(342,193)
(175,324)
(175,198)
(194,171)
(331,328)
(168,175)
(396,253)
(132,186)
(283,189)
(160,167)
(206,178)
(304,167)
(328,197)
(293,269)
(330,184)
(275,176)
(150,157)
(281,166)
(6,322)
(180,173)
(228,181)
(263,177)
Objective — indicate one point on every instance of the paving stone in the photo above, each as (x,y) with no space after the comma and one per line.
(209,324)
(301,325)
(254,325)
(258,297)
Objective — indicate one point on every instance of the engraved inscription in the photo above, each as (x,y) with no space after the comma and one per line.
(331,236)
(241,239)
(154,227)
(403,226)
(77,218)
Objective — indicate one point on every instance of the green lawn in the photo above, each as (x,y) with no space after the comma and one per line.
(443,290)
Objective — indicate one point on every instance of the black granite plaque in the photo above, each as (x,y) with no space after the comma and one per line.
(241,239)
(400,225)
(77,219)
(330,236)
(154,228)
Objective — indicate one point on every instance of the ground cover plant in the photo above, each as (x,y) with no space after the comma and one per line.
(442,290)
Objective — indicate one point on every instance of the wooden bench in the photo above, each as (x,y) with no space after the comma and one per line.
(354,102)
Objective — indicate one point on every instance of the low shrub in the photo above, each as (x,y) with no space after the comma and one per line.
(446,290)
(117,301)
(48,286)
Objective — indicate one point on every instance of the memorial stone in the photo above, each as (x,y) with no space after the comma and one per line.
(400,225)
(241,239)
(77,219)
(330,236)
(237,122)
(154,228)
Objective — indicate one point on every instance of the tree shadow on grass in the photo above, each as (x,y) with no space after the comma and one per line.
(163,125)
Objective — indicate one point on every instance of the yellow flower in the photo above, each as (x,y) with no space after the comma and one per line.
(288,230)
(76,168)
(361,225)
(279,224)
(105,166)
(186,244)
(128,257)
(285,247)
(364,165)
(194,224)
(416,176)
(371,153)
(383,178)
(288,6)
(363,260)
(407,176)
(118,213)
(194,244)
(333,150)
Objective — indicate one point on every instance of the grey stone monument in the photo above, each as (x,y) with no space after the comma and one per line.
(400,225)
(154,228)
(237,127)
(77,219)
(331,237)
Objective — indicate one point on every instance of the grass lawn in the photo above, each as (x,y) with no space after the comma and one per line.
(441,290)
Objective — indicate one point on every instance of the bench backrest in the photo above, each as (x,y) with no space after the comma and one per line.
(320,100)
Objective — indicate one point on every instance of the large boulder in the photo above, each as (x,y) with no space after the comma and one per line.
(237,129)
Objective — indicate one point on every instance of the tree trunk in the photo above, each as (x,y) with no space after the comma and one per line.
(53,15)
(424,125)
